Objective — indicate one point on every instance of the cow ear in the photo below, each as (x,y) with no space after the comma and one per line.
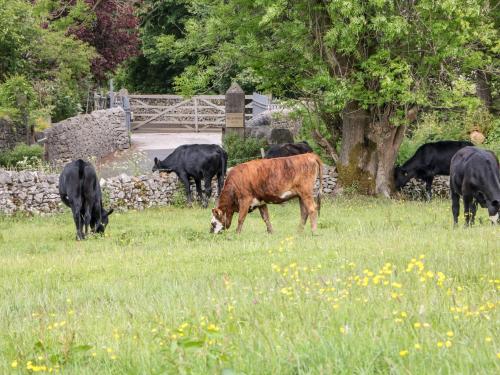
(156,161)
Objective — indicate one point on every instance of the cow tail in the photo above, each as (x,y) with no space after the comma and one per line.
(224,163)
(81,174)
(320,189)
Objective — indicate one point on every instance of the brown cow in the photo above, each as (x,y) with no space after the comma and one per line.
(257,182)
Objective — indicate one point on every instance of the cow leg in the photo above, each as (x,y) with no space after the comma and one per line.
(428,187)
(455,206)
(264,213)
(468,209)
(185,180)
(310,207)
(76,208)
(198,189)
(303,215)
(86,219)
(208,191)
(473,209)
(244,207)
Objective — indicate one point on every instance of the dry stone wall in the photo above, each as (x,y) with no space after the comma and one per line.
(415,189)
(37,192)
(85,136)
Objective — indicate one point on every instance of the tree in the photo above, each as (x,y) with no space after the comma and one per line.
(113,34)
(161,23)
(365,66)
(40,60)
(110,26)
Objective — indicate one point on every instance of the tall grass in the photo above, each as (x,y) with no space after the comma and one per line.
(384,287)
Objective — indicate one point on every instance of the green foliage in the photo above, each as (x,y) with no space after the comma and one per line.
(22,157)
(493,138)
(16,96)
(240,150)
(161,25)
(50,66)
(17,32)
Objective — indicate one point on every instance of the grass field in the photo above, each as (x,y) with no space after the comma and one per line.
(384,287)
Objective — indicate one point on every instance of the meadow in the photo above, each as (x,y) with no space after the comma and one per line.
(383,287)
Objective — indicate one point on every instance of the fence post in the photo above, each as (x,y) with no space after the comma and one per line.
(235,111)
(196,114)
(126,107)
(111,94)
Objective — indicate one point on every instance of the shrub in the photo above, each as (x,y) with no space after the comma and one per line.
(22,156)
(240,149)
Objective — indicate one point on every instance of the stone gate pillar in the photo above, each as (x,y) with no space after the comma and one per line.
(235,111)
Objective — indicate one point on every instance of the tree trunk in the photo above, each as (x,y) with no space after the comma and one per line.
(483,90)
(369,150)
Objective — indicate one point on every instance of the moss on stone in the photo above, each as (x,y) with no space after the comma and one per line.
(352,176)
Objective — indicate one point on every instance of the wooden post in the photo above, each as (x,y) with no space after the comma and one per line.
(111,94)
(235,111)
(126,107)
(196,114)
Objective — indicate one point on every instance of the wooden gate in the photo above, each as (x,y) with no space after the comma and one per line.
(173,113)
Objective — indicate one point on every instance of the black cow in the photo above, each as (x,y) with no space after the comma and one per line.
(80,190)
(200,162)
(431,159)
(288,149)
(474,175)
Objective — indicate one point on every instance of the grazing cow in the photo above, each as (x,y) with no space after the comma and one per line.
(474,175)
(288,149)
(200,162)
(431,159)
(80,190)
(257,182)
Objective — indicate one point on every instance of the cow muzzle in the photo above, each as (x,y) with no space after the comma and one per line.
(216,226)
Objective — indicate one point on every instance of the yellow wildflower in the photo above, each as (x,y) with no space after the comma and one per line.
(440,344)
(449,334)
(13,364)
(448,343)
(212,328)
(417,325)
(403,353)
(418,347)
(487,339)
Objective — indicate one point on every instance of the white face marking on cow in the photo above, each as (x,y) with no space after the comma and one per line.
(494,218)
(286,194)
(256,203)
(217,226)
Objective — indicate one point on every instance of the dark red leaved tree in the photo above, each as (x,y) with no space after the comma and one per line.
(113,34)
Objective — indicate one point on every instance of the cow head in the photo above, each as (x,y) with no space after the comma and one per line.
(401,177)
(160,166)
(494,211)
(101,226)
(219,222)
